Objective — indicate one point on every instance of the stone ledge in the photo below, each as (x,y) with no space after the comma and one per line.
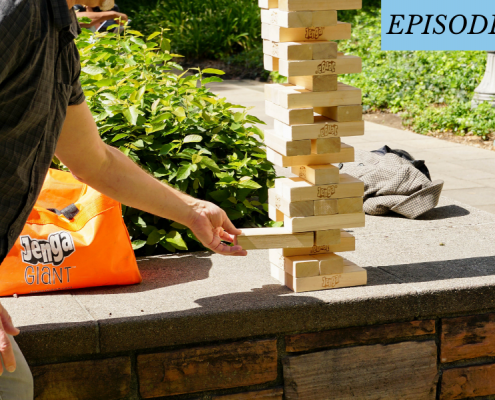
(200,297)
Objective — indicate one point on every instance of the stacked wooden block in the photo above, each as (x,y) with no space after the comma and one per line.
(312,113)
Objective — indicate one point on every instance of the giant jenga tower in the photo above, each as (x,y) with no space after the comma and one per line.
(312,113)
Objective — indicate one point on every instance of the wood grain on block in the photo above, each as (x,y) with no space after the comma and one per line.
(316,83)
(290,96)
(326,207)
(297,189)
(467,337)
(274,214)
(342,113)
(358,335)
(352,275)
(325,145)
(346,155)
(349,206)
(294,209)
(321,128)
(108,379)
(301,50)
(347,243)
(269,394)
(304,19)
(289,117)
(319,5)
(468,382)
(302,266)
(287,148)
(270,63)
(323,222)
(269,238)
(207,368)
(274,33)
(406,371)
(268,3)
(341,65)
(330,264)
(328,237)
(318,174)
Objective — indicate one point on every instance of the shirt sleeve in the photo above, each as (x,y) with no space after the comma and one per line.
(16,25)
(77,96)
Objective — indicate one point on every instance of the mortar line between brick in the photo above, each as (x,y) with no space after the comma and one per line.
(97,324)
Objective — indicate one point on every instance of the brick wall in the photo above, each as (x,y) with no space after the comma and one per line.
(449,358)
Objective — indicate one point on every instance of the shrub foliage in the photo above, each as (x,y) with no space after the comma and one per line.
(176,129)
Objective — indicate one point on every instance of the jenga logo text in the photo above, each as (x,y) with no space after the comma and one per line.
(302,172)
(326,192)
(281,262)
(320,249)
(314,33)
(275,50)
(325,66)
(329,130)
(330,282)
(274,18)
(278,202)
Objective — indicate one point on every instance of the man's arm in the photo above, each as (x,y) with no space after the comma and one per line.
(110,172)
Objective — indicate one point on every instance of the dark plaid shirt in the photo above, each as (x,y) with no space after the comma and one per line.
(39,78)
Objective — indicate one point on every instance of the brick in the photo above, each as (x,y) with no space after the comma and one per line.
(270,394)
(358,335)
(406,371)
(467,337)
(207,368)
(83,380)
(468,382)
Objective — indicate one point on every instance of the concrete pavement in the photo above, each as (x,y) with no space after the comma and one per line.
(468,172)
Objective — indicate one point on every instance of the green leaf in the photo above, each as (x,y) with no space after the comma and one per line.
(209,163)
(193,139)
(196,158)
(119,136)
(176,225)
(154,237)
(137,244)
(213,71)
(153,35)
(211,79)
(238,117)
(220,195)
(175,239)
(131,114)
(135,33)
(184,172)
(165,45)
(165,149)
(249,185)
(92,70)
(105,82)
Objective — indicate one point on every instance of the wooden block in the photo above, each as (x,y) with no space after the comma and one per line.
(323,222)
(270,238)
(299,266)
(304,19)
(274,33)
(331,264)
(282,146)
(316,83)
(342,113)
(324,145)
(322,128)
(278,273)
(318,174)
(326,207)
(328,237)
(289,117)
(270,63)
(352,275)
(297,189)
(350,206)
(301,50)
(319,5)
(346,155)
(295,209)
(347,243)
(268,3)
(274,214)
(290,96)
(340,65)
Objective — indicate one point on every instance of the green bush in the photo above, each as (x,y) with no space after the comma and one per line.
(211,29)
(174,128)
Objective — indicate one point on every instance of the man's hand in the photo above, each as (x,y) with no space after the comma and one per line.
(211,226)
(98,18)
(7,328)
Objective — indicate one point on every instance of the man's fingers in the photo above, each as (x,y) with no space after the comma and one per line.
(7,352)
(8,324)
(229,227)
(221,248)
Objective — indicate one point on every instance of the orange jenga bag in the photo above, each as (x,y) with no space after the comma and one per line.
(75,237)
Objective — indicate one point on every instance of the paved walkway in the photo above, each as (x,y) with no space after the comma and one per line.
(468,172)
